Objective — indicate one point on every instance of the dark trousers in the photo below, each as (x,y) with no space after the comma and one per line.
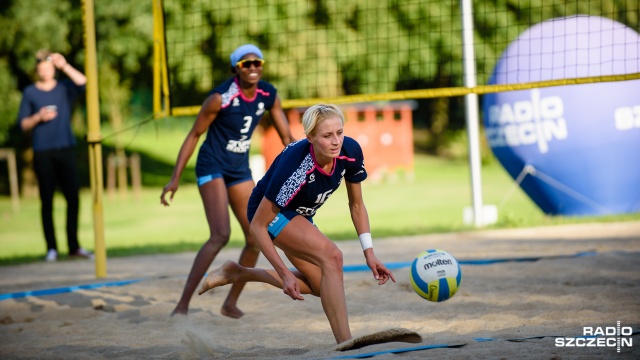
(58,167)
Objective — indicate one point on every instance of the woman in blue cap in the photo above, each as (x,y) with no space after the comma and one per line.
(229,115)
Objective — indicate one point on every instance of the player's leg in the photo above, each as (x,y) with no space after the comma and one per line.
(216,206)
(319,262)
(238,199)
(231,272)
(301,239)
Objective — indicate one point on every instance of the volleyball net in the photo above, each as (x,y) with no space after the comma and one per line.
(349,51)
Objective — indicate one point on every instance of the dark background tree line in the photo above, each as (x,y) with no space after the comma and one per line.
(125,49)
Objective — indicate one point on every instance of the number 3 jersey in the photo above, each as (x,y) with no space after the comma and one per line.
(226,147)
(298,185)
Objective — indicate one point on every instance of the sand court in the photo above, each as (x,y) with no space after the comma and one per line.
(521,291)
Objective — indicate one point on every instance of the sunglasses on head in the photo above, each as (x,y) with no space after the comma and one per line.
(46,59)
(246,63)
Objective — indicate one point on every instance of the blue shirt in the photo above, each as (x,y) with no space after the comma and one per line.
(295,182)
(57,133)
(226,147)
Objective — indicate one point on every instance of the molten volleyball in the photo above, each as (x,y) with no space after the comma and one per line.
(435,275)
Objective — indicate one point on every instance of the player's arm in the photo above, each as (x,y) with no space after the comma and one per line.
(359,214)
(360,219)
(281,123)
(265,213)
(208,112)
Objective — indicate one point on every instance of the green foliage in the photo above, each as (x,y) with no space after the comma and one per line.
(330,48)
(124,43)
(337,47)
(313,49)
(323,48)
(319,48)
(47,28)
(10,103)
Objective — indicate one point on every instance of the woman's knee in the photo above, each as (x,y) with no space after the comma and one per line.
(333,259)
(220,236)
(251,245)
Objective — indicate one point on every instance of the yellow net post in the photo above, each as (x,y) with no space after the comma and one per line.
(94,138)
(161,105)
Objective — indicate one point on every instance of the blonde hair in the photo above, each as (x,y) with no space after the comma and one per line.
(317,114)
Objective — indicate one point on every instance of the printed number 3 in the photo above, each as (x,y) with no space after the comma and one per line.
(247,124)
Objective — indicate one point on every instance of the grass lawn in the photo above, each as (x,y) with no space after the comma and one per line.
(430,202)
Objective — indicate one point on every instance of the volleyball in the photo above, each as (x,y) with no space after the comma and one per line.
(435,275)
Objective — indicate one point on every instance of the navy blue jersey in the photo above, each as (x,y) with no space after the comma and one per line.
(57,133)
(295,181)
(226,147)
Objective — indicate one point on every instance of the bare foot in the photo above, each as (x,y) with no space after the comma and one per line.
(231,311)
(221,276)
(177,311)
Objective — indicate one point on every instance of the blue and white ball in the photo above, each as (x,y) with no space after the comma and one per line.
(435,275)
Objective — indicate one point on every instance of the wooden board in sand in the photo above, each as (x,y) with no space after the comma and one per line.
(384,336)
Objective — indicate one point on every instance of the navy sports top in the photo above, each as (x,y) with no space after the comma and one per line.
(226,147)
(295,181)
(57,133)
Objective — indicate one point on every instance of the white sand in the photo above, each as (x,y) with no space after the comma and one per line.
(554,296)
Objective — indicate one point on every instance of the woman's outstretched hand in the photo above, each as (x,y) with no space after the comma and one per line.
(380,271)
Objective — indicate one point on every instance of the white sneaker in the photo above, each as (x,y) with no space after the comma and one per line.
(52,255)
(82,253)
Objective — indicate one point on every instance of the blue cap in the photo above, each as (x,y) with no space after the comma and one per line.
(244,50)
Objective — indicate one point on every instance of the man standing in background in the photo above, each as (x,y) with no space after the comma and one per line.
(45,112)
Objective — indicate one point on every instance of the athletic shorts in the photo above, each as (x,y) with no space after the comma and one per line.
(280,221)
(229,179)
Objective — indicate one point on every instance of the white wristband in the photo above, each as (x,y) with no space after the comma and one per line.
(365,241)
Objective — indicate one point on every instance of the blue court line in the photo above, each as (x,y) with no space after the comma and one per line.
(398,351)
(399,265)
(347,268)
(62,290)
